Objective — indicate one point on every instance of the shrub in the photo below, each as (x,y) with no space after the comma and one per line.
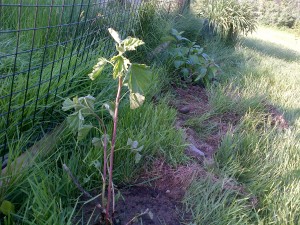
(190,62)
(281,14)
(229,18)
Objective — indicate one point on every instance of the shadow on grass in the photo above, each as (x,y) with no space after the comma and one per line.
(272,49)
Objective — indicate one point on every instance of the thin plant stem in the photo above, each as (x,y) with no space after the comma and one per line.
(113,142)
(101,124)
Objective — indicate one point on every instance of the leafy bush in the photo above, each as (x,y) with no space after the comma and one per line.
(278,14)
(228,18)
(190,62)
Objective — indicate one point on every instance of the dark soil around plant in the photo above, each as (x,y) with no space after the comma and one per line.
(132,202)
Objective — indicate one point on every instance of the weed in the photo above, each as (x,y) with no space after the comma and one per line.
(190,62)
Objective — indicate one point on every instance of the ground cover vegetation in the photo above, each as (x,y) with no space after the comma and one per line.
(45,74)
(251,175)
(281,14)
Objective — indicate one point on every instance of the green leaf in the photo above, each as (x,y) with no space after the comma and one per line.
(178,63)
(110,107)
(129,141)
(185,72)
(75,121)
(139,80)
(83,131)
(202,73)
(136,100)
(138,157)
(97,142)
(7,207)
(98,68)
(140,77)
(120,49)
(140,148)
(115,35)
(68,104)
(87,102)
(130,43)
(193,60)
(120,65)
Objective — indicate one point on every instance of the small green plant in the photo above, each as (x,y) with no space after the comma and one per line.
(190,62)
(137,78)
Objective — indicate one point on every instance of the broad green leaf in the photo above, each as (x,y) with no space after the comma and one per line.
(75,122)
(139,80)
(214,69)
(140,148)
(68,104)
(138,157)
(115,35)
(201,73)
(120,65)
(193,60)
(110,107)
(97,142)
(178,63)
(7,207)
(140,77)
(83,131)
(130,43)
(205,56)
(136,100)
(98,68)
(177,52)
(185,51)
(185,72)
(87,101)
(129,141)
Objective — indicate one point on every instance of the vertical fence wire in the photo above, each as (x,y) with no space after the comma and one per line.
(44,46)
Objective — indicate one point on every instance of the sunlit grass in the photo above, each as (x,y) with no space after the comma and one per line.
(263,159)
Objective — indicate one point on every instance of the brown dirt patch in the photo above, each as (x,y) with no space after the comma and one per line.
(277,118)
(133,201)
(193,101)
(172,180)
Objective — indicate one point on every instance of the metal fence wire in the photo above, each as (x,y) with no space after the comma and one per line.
(44,45)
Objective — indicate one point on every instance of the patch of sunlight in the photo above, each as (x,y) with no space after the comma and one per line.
(283,38)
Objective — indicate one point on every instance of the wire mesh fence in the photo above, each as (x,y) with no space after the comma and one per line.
(44,46)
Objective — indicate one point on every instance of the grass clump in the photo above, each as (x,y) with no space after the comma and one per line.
(228,18)
(210,202)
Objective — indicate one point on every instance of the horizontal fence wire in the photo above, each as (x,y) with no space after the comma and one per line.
(44,46)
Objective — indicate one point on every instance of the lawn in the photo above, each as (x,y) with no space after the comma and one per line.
(262,159)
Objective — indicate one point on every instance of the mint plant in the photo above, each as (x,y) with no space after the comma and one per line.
(190,62)
(136,77)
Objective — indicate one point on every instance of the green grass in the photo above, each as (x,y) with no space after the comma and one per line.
(59,68)
(256,155)
(43,193)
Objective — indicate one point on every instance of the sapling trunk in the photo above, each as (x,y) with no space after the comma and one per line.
(113,142)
